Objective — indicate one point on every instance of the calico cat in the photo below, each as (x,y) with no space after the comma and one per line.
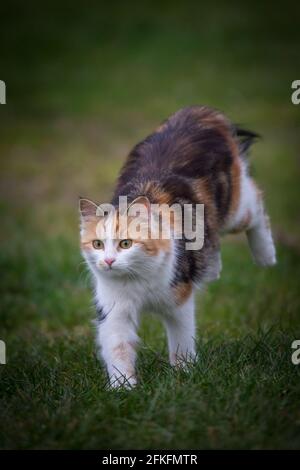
(197,156)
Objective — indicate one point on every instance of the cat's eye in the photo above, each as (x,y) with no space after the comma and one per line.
(125,244)
(98,244)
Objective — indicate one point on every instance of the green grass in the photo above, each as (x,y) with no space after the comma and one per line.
(82,88)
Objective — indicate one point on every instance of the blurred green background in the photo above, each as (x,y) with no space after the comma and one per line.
(84,83)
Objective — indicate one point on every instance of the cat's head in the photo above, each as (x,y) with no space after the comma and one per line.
(120,244)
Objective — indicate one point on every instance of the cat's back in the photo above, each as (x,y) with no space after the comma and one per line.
(195,142)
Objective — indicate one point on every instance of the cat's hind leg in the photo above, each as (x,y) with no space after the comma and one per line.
(252,218)
(260,238)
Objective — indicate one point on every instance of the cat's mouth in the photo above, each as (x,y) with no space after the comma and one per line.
(116,272)
(107,268)
(110,269)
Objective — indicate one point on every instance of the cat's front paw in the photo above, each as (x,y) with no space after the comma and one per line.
(183,361)
(123,381)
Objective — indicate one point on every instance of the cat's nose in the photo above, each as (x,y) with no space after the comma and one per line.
(109,261)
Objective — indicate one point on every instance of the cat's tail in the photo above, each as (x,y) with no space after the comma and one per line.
(245,139)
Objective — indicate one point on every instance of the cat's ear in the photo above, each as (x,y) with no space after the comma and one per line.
(143,200)
(87,208)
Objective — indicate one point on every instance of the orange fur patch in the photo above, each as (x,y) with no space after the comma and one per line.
(153,247)
(205,197)
(235,185)
(92,225)
(122,353)
(182,292)
(235,169)
(89,231)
